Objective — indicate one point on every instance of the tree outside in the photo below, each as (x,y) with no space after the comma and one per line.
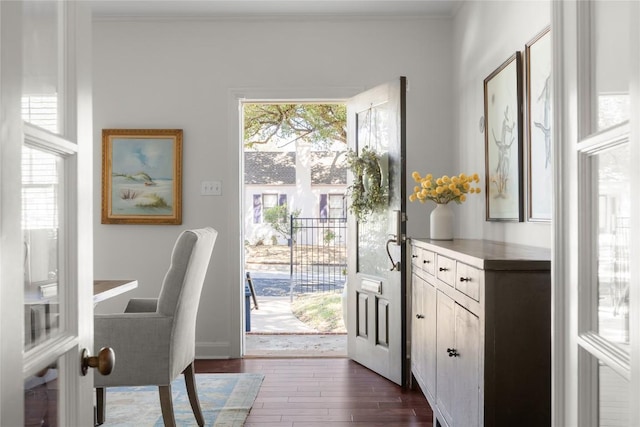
(281,125)
(280,219)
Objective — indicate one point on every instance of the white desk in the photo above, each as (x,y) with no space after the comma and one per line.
(105,289)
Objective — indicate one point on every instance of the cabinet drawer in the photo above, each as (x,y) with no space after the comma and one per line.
(468,280)
(446,270)
(422,261)
(428,261)
(416,257)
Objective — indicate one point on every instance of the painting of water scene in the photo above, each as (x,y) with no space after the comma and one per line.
(141,178)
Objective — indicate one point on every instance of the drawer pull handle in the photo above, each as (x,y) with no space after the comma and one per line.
(419,316)
(426,261)
(443,269)
(465,279)
(414,256)
(453,352)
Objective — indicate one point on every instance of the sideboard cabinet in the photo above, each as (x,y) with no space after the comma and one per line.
(481,332)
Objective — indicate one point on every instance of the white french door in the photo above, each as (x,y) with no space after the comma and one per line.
(597,216)
(46,247)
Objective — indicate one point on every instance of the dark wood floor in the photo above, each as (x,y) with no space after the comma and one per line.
(310,392)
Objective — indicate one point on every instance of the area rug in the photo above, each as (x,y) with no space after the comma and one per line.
(225,399)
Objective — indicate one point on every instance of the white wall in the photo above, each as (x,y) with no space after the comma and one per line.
(486,34)
(172,74)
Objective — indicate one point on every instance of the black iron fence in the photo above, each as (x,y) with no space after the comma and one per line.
(318,254)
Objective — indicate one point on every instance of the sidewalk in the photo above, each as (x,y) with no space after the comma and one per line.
(276,332)
(274,316)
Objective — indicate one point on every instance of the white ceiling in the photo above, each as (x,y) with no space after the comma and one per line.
(105,9)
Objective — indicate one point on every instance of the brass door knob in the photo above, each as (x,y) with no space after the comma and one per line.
(104,361)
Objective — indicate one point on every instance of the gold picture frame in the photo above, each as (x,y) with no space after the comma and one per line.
(142,176)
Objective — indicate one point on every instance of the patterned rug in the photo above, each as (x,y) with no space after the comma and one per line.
(225,399)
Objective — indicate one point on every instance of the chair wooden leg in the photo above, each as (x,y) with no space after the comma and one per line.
(190,381)
(166,403)
(100,405)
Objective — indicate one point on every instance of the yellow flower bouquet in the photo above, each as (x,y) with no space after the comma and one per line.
(444,189)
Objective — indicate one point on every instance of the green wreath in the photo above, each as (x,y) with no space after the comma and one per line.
(367,193)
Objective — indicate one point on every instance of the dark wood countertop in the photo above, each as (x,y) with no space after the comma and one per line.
(490,255)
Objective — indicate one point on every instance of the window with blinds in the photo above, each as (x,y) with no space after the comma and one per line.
(40,185)
(41,110)
(42,176)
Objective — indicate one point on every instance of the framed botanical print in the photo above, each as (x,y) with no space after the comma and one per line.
(142,176)
(539,131)
(503,142)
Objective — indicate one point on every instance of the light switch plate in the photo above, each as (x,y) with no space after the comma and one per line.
(211,188)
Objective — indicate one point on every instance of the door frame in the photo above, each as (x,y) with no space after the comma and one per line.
(11,271)
(236,97)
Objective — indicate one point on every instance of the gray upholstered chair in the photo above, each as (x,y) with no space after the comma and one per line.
(154,339)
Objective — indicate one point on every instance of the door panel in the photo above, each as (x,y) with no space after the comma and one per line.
(467,376)
(362,310)
(445,340)
(430,336)
(418,327)
(382,331)
(376,301)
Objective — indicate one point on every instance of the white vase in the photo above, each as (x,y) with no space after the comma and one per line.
(441,222)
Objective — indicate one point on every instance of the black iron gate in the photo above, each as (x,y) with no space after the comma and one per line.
(318,254)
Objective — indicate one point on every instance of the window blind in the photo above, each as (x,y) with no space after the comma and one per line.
(39,189)
(41,110)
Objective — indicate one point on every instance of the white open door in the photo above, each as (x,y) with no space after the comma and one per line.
(46,245)
(376,246)
(597,214)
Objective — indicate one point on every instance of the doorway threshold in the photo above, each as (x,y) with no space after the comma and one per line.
(283,344)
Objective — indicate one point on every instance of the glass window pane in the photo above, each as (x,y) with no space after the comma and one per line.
(613,396)
(337,208)
(269,201)
(605,394)
(41,201)
(374,132)
(613,171)
(41,393)
(611,39)
(41,53)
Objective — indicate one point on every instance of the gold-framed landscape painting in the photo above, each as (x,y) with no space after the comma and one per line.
(142,176)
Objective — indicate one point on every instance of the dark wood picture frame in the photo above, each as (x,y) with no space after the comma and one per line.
(503,130)
(142,176)
(539,130)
